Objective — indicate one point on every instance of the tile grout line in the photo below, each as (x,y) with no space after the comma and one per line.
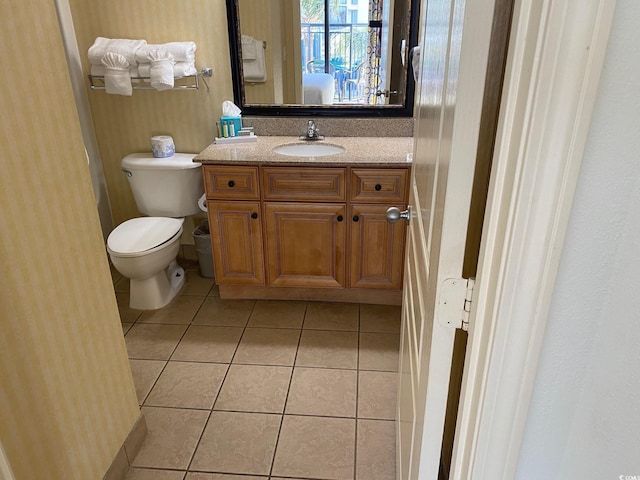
(355,446)
(206,423)
(166,364)
(162,371)
(286,398)
(228,364)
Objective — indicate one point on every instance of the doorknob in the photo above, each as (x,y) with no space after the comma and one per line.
(394,215)
(386,93)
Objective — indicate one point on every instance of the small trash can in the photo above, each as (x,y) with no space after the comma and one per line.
(202,239)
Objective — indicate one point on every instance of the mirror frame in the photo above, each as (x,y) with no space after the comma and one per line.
(406,110)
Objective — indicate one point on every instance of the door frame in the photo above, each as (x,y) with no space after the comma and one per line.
(556,54)
(5,468)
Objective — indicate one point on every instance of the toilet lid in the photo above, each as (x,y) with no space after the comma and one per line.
(141,234)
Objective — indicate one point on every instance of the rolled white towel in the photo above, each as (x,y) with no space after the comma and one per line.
(161,72)
(116,76)
(181,51)
(126,48)
(180,69)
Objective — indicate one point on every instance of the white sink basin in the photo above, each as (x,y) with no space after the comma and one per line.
(308,149)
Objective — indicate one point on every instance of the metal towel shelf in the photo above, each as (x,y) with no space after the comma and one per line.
(97,82)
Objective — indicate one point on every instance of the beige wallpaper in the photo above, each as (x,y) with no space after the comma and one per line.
(125,124)
(67,400)
(277,23)
(260,21)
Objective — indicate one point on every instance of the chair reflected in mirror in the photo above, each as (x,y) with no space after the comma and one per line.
(354,85)
(319,67)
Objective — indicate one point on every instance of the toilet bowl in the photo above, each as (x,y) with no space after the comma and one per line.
(145,249)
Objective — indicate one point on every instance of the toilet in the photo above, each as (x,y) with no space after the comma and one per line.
(145,249)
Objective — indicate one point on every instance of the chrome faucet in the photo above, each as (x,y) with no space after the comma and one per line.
(312,132)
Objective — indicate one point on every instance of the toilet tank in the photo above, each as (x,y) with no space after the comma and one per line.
(164,187)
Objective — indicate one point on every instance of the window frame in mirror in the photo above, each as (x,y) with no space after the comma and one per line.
(406,110)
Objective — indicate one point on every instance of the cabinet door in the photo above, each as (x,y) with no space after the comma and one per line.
(305,244)
(236,238)
(377,248)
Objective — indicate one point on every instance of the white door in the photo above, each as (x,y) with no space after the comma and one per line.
(454,51)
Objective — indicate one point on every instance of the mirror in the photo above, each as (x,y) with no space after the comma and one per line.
(284,62)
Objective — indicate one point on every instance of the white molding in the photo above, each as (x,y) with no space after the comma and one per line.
(556,52)
(78,82)
(5,469)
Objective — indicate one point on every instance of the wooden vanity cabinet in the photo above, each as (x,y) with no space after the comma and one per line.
(377,247)
(236,241)
(307,232)
(235,223)
(305,244)
(305,226)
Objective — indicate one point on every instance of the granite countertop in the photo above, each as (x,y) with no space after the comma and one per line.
(364,151)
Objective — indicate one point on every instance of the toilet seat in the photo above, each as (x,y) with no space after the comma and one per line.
(140,236)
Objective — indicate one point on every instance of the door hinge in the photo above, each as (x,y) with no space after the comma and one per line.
(467,304)
(454,306)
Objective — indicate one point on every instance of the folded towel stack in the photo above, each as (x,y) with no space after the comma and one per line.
(180,69)
(100,70)
(160,63)
(126,48)
(253,61)
(183,54)
(181,51)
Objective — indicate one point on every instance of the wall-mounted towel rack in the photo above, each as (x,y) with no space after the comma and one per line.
(97,82)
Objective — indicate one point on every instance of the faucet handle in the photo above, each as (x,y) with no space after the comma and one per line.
(312,132)
(311,128)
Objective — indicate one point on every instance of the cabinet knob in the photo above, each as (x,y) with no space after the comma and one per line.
(378,187)
(339,218)
(254,215)
(231,183)
(394,215)
(356,218)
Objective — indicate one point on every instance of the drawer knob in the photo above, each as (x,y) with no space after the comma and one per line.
(254,215)
(339,218)
(356,218)
(378,187)
(231,183)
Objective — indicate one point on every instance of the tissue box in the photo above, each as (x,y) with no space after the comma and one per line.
(236,121)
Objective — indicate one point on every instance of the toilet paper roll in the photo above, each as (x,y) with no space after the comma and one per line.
(162,146)
(202,202)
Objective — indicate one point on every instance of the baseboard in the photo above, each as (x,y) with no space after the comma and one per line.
(128,451)
(348,295)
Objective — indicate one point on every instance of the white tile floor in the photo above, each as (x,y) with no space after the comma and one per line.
(248,390)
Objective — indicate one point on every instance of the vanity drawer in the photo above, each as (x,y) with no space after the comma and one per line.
(304,183)
(379,185)
(231,182)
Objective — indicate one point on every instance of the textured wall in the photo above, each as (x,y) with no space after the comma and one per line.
(258,21)
(67,400)
(584,416)
(125,124)
(277,23)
